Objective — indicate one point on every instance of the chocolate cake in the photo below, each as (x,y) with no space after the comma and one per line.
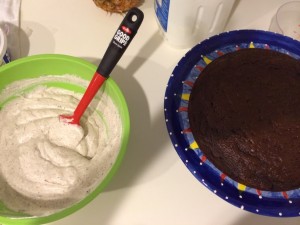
(244,113)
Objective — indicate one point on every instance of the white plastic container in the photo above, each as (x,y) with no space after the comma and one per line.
(184,23)
(4,56)
(287,20)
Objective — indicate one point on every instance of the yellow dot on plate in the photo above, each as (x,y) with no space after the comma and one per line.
(185,97)
(194,145)
(241,187)
(251,45)
(207,60)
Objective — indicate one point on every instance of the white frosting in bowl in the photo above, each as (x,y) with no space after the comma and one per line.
(46,164)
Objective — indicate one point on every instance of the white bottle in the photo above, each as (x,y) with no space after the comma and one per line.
(185,23)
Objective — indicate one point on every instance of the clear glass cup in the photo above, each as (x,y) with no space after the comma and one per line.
(286,21)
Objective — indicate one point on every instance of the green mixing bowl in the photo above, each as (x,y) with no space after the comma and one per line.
(54,64)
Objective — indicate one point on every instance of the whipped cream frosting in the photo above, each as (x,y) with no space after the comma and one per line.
(46,164)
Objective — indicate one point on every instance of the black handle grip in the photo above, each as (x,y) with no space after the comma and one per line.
(120,41)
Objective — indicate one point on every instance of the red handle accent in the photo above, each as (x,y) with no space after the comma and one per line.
(91,91)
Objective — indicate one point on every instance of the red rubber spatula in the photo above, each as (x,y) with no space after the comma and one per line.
(122,38)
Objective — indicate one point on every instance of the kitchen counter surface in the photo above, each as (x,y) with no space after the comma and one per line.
(152,185)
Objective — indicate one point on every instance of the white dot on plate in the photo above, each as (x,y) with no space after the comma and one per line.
(240,196)
(165,109)
(260,197)
(194,171)
(170,133)
(242,207)
(215,191)
(257,210)
(167,120)
(186,160)
(176,145)
(201,163)
(186,149)
(226,197)
(290,201)
(174,94)
(280,214)
(166,97)
(222,184)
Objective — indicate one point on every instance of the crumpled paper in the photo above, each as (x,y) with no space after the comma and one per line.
(10,23)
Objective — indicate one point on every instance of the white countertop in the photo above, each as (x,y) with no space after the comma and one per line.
(152,186)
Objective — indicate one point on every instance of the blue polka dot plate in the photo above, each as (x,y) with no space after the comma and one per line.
(276,204)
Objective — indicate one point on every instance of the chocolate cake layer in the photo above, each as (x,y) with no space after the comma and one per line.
(244,113)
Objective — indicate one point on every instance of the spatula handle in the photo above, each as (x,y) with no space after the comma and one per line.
(120,41)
